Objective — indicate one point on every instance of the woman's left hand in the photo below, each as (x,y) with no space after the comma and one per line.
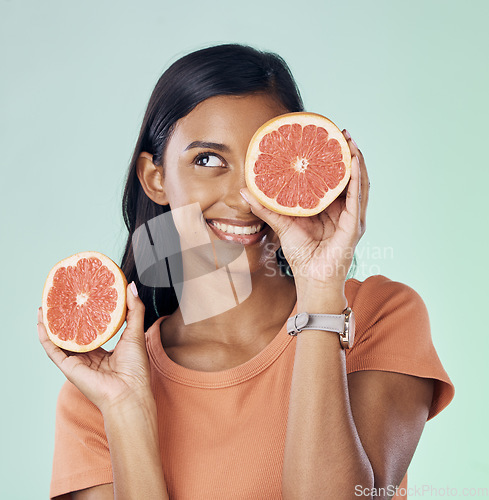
(319,249)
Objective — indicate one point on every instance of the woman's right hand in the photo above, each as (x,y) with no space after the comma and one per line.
(108,378)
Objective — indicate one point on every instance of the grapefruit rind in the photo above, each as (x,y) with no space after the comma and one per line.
(303,119)
(118,316)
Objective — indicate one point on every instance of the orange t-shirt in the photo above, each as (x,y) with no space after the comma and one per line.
(222,434)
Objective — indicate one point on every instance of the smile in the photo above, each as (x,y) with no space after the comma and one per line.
(229,229)
(245,235)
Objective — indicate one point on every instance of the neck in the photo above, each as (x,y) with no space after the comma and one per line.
(236,311)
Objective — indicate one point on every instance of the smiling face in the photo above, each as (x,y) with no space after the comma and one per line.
(204,163)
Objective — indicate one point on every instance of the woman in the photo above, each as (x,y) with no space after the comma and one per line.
(228,405)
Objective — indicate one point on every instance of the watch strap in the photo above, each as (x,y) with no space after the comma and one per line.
(305,321)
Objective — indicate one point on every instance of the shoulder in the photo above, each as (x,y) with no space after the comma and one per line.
(75,411)
(393,334)
(391,319)
(70,397)
(378,296)
(81,452)
(378,289)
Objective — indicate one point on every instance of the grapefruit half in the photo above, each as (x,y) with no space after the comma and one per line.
(298,164)
(84,301)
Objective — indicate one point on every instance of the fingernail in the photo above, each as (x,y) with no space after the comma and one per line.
(354,143)
(39,315)
(348,136)
(243,195)
(134,289)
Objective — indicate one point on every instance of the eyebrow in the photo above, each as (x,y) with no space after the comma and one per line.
(208,145)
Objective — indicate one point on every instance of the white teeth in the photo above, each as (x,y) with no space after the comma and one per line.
(227,228)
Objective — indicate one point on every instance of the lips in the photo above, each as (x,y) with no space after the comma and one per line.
(244,239)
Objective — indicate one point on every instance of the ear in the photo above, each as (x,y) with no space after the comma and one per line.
(151,178)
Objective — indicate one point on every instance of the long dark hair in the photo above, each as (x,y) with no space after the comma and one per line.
(229,69)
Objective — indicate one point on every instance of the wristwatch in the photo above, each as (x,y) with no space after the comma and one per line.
(343,324)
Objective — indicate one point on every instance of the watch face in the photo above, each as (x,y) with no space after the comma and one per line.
(349,334)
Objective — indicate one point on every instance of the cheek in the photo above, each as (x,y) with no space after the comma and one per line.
(207,192)
(205,195)
(180,192)
(185,191)
(190,226)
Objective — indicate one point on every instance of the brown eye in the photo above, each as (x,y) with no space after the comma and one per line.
(208,160)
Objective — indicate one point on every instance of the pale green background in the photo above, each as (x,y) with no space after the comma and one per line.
(407,79)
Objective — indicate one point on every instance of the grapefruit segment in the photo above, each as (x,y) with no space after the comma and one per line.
(297,164)
(84,301)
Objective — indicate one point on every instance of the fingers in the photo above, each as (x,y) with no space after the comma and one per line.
(277,222)
(364,180)
(354,149)
(353,195)
(55,354)
(135,315)
(64,362)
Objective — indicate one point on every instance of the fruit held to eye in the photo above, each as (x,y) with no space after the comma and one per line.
(297,164)
(84,301)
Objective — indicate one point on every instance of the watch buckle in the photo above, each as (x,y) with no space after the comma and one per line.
(299,321)
(345,344)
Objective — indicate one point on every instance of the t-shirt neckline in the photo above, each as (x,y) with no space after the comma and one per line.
(219,379)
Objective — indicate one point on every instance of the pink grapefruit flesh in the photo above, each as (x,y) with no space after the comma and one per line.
(297,164)
(84,301)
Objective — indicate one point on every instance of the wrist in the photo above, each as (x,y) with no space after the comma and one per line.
(316,286)
(137,418)
(321,301)
(136,402)
(131,427)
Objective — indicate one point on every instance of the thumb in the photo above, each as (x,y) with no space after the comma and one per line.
(277,222)
(135,314)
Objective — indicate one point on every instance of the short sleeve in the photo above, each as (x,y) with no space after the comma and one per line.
(81,452)
(393,334)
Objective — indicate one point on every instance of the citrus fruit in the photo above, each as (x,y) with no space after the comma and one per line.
(297,164)
(84,301)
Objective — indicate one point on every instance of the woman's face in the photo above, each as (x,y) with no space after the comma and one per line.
(204,163)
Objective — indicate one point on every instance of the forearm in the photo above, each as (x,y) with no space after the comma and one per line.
(132,433)
(324,457)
